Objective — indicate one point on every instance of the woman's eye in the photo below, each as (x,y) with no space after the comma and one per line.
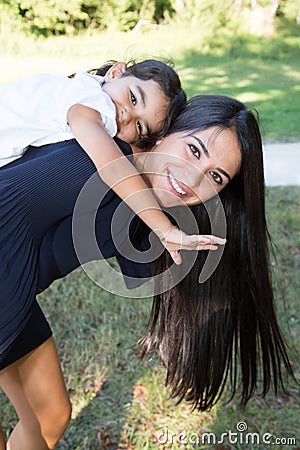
(195,151)
(216,177)
(139,128)
(133,98)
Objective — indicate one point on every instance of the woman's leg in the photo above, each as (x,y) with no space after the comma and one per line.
(35,386)
(2,440)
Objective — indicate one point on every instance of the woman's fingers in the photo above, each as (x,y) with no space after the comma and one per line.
(175,255)
(193,242)
(213,239)
(207,247)
(202,240)
(177,240)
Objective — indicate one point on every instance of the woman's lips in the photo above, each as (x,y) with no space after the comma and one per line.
(176,186)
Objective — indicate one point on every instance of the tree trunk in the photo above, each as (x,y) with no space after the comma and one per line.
(261,20)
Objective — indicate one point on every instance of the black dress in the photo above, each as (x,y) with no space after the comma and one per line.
(38,193)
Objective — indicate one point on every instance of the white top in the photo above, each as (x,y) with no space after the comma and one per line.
(33,110)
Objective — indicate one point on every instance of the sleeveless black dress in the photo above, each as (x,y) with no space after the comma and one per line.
(38,193)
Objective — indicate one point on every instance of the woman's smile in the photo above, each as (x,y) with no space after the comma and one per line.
(191,168)
(176,186)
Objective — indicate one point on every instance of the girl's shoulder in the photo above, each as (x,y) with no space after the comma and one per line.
(87,77)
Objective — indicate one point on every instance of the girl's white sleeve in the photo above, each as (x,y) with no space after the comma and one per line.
(34,110)
(85,89)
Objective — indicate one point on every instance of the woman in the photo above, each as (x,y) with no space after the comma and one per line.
(203,329)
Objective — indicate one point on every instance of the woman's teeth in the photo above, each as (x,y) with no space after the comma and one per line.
(176,185)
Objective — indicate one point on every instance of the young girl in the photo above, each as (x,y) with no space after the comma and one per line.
(135,104)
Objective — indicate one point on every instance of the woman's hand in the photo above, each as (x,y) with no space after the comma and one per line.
(175,240)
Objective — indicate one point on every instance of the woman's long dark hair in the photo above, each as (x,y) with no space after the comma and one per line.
(225,327)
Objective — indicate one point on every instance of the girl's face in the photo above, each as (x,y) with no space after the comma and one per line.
(140,106)
(191,167)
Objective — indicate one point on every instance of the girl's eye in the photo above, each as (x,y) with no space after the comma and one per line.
(195,151)
(139,128)
(216,177)
(133,98)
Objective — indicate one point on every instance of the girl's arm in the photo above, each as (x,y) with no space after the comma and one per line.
(121,176)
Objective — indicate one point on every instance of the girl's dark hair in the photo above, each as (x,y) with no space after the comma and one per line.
(167,79)
(225,327)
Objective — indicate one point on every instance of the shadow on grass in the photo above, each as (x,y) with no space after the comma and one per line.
(96,334)
(118,416)
(99,424)
(269,86)
(118,400)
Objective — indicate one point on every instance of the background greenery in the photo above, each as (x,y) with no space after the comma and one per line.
(118,401)
(210,54)
(72,16)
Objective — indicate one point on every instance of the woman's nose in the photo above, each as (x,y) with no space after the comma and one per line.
(196,175)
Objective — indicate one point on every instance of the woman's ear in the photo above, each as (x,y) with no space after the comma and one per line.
(116,71)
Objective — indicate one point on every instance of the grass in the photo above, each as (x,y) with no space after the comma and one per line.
(264,73)
(270,87)
(118,401)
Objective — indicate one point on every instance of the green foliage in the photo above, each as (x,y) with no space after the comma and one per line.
(290,9)
(120,402)
(262,72)
(46,17)
(161,9)
(209,17)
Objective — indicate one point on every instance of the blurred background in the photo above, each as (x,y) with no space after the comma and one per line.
(245,48)
(242,48)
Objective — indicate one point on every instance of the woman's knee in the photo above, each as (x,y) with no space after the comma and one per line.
(54,421)
(63,416)
(48,423)
(36,388)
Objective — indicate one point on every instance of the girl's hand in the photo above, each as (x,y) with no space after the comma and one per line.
(175,240)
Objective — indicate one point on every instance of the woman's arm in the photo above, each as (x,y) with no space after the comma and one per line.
(121,176)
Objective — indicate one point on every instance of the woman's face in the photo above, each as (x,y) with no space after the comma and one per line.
(192,167)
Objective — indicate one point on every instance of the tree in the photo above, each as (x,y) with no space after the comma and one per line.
(261,19)
(290,9)
(72,16)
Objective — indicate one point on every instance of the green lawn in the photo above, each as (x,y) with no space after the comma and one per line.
(263,73)
(271,87)
(118,401)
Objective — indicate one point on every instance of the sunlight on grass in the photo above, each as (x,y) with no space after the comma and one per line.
(293,73)
(79,404)
(252,97)
(153,417)
(91,49)
(117,398)
(264,80)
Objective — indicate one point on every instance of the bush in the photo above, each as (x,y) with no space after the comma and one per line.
(48,17)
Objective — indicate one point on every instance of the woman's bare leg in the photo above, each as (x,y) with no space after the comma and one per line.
(35,386)
(2,440)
